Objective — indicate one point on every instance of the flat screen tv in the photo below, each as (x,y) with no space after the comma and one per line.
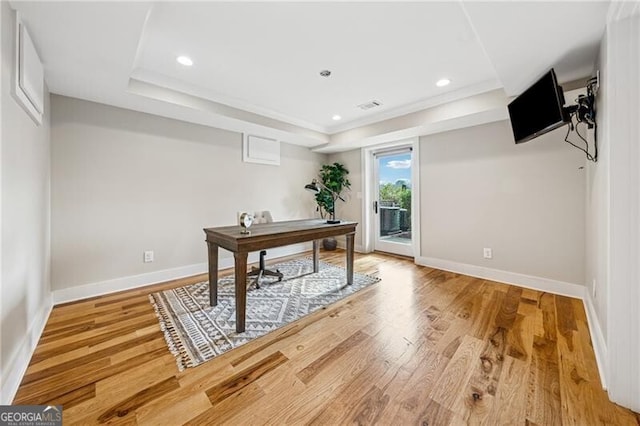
(538,110)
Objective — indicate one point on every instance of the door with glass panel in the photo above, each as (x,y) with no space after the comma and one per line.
(392,201)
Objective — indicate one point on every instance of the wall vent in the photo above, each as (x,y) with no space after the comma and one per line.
(368,105)
(28,86)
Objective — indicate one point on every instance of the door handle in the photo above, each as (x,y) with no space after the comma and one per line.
(375,207)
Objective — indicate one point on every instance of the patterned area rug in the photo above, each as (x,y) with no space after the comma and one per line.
(196,332)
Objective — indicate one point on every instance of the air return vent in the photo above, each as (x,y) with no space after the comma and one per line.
(368,105)
(29,74)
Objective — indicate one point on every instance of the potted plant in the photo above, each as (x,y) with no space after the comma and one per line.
(334,181)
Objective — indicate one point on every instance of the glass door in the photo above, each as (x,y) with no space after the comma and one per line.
(392,201)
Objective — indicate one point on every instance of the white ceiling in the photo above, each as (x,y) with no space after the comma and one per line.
(258,64)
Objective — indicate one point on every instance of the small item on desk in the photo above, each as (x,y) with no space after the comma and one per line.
(246,220)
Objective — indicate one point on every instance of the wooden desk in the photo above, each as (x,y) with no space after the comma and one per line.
(264,236)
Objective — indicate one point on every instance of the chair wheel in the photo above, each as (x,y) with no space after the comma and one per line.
(280,277)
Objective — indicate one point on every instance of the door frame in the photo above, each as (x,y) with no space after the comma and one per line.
(378,242)
(369,187)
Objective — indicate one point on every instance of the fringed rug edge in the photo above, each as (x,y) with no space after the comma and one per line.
(171,336)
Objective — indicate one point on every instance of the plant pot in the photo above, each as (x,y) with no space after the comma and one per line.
(329,243)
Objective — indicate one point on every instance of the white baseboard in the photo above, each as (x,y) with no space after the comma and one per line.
(127,283)
(17,366)
(597,338)
(356,247)
(85,291)
(529,281)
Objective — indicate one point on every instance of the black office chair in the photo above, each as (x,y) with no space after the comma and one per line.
(262,271)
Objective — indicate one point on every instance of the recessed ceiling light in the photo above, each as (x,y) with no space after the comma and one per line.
(443,82)
(337,117)
(184,60)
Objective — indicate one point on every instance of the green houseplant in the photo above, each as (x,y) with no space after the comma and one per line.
(334,179)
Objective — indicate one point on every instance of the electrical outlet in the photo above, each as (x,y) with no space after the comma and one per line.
(148,256)
(487,253)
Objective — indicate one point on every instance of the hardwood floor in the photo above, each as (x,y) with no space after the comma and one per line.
(422,346)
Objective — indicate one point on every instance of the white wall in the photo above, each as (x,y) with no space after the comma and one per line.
(124,182)
(479,189)
(526,201)
(613,210)
(25,299)
(351,209)
(597,219)
(622,133)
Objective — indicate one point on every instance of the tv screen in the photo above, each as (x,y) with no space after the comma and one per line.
(538,110)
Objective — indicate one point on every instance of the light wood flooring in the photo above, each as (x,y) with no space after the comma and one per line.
(422,346)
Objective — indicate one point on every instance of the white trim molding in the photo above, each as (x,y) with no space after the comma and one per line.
(369,195)
(71,294)
(17,365)
(597,338)
(358,248)
(522,280)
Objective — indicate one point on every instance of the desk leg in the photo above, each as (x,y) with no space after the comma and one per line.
(316,255)
(350,247)
(241,289)
(213,274)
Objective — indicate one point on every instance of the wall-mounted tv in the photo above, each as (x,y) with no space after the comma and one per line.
(538,110)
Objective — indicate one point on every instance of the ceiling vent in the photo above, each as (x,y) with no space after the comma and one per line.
(368,105)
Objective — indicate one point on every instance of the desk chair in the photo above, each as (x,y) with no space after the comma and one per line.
(262,271)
